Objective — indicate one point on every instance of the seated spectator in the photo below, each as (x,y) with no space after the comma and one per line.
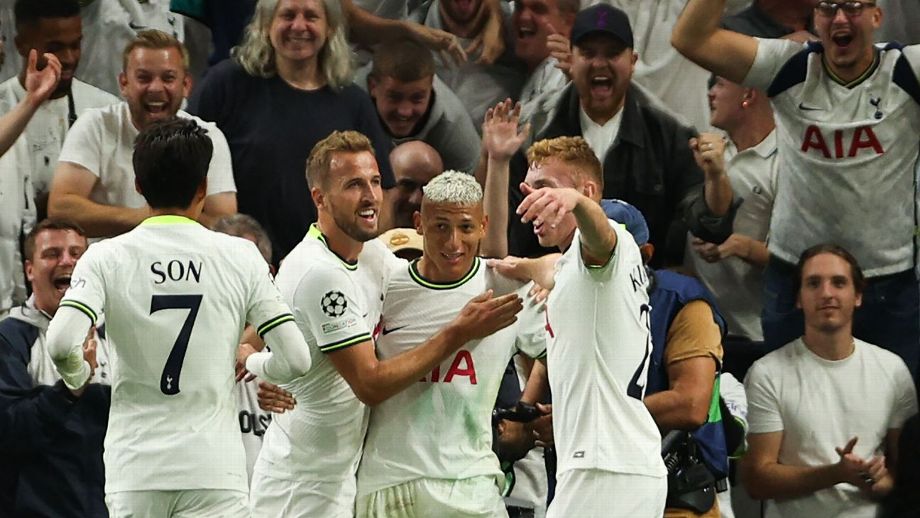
(742,169)
(480,82)
(414,165)
(94,183)
(826,409)
(644,151)
(51,443)
(17,212)
(52,26)
(287,87)
(414,104)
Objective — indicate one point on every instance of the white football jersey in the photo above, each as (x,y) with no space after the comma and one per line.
(597,360)
(174,315)
(336,304)
(847,153)
(441,427)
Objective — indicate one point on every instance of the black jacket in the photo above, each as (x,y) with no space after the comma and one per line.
(50,448)
(650,165)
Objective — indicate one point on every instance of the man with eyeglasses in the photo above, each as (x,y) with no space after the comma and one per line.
(848,114)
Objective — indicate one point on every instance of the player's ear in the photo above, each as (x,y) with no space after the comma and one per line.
(317,196)
(417,221)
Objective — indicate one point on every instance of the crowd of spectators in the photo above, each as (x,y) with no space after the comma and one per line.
(763,155)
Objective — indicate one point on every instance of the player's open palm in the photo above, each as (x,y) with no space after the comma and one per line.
(485,314)
(547,205)
(501,134)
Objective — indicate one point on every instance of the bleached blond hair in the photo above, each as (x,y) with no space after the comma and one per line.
(453,187)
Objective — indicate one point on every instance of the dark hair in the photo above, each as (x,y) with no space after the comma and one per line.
(29,12)
(171,160)
(856,273)
(47,224)
(403,60)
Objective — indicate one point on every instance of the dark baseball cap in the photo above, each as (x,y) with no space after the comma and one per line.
(602,18)
(628,216)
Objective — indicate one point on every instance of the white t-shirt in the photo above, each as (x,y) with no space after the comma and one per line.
(598,359)
(846,158)
(820,404)
(336,305)
(441,427)
(174,315)
(102,141)
(46,130)
(736,284)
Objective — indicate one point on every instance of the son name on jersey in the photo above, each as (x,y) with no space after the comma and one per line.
(175,270)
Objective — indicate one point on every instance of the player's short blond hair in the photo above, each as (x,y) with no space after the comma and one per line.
(572,151)
(453,187)
(154,39)
(324,150)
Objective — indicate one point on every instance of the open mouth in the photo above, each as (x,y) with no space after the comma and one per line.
(526,32)
(842,39)
(155,107)
(61,283)
(601,84)
(368,215)
(452,258)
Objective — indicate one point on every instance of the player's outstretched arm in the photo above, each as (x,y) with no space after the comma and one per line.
(66,336)
(698,37)
(374,381)
(69,200)
(501,138)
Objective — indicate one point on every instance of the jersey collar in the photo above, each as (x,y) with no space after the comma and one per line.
(316,233)
(421,280)
(876,59)
(169,219)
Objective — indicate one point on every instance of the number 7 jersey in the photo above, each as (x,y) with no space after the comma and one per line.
(175,297)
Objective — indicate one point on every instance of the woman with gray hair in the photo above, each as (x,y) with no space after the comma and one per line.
(286,87)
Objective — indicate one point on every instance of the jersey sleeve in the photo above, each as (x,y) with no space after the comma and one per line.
(273,321)
(67,331)
(764,414)
(83,143)
(771,55)
(331,306)
(624,259)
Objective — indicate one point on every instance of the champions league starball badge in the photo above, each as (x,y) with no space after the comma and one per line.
(334,303)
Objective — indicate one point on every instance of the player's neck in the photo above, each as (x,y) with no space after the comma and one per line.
(833,346)
(192,213)
(343,245)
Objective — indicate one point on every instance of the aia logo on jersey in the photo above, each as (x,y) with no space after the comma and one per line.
(841,143)
(462,366)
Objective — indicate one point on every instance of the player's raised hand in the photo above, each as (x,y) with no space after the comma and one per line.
(275,399)
(485,314)
(561,49)
(547,205)
(709,153)
(502,135)
(42,76)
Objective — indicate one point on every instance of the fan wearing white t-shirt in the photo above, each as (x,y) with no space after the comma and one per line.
(176,297)
(826,410)
(334,281)
(93,183)
(433,440)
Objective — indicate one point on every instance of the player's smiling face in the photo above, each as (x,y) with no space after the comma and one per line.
(154,84)
(452,234)
(51,265)
(828,296)
(353,195)
(555,175)
(847,39)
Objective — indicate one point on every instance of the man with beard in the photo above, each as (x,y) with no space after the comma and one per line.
(334,281)
(94,181)
(51,445)
(52,26)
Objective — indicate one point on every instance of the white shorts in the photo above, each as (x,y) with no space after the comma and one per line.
(192,503)
(270,497)
(588,493)
(427,497)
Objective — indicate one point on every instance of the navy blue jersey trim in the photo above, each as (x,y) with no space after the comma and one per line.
(794,71)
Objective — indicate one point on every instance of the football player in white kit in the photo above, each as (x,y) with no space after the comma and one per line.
(848,113)
(608,446)
(176,297)
(428,450)
(334,280)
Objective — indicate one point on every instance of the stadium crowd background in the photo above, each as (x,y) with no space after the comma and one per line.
(700,155)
